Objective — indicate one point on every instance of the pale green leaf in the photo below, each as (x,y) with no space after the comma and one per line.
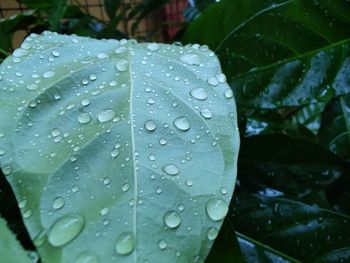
(118,148)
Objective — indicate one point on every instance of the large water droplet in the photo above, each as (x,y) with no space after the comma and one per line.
(58,203)
(65,229)
(199,94)
(86,257)
(150,125)
(171,169)
(172,219)
(122,65)
(182,123)
(125,243)
(84,118)
(216,209)
(191,59)
(212,233)
(106,115)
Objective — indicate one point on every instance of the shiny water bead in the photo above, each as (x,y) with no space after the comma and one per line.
(86,257)
(122,65)
(171,169)
(125,243)
(65,229)
(206,113)
(153,46)
(228,93)
(199,93)
(172,219)
(191,59)
(212,233)
(106,115)
(84,118)
(182,123)
(58,203)
(150,125)
(216,209)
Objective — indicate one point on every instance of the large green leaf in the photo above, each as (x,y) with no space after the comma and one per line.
(10,250)
(302,231)
(279,53)
(117,150)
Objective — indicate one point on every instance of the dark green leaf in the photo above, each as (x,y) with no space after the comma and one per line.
(111,7)
(57,12)
(302,231)
(340,255)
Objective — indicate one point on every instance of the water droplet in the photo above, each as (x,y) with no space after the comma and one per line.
(153,46)
(65,229)
(2,151)
(92,77)
(122,65)
(228,93)
(206,113)
(162,141)
(189,183)
(40,238)
(216,209)
(32,87)
(86,257)
(84,118)
(85,102)
(102,55)
(150,125)
(19,52)
(212,233)
(171,169)
(125,243)
(104,211)
(182,124)
(58,203)
(120,49)
(7,170)
(125,187)
(213,81)
(106,115)
(191,59)
(223,190)
(55,53)
(55,132)
(199,93)
(172,219)
(162,244)
(268,225)
(48,74)
(115,153)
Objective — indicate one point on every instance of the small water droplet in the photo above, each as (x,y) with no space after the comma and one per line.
(84,118)
(55,53)
(172,219)
(115,153)
(104,211)
(153,46)
(122,65)
(216,209)
(92,77)
(102,55)
(182,123)
(86,257)
(206,113)
(228,93)
(85,102)
(189,183)
(40,238)
(212,233)
(162,244)
(2,151)
(32,87)
(213,81)
(65,229)
(58,203)
(191,59)
(106,115)
(125,187)
(162,141)
(150,125)
(48,74)
(199,93)
(125,243)
(171,169)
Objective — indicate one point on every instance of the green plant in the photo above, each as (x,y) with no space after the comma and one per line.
(117,150)
(287,63)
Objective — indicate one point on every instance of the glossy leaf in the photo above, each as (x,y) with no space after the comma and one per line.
(117,150)
(10,249)
(302,231)
(299,61)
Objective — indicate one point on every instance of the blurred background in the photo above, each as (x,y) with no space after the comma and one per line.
(152,20)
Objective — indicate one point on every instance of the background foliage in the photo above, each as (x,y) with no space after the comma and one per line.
(288,63)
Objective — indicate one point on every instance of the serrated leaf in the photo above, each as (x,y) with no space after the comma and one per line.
(10,249)
(117,150)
